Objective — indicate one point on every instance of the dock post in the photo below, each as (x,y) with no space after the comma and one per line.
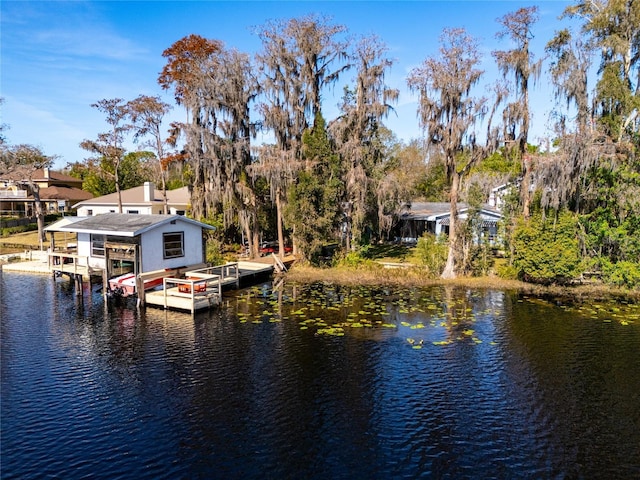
(105,283)
(140,290)
(78,283)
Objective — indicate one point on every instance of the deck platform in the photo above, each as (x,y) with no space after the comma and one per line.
(202,288)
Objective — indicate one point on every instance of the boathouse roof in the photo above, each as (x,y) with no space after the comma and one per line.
(122,224)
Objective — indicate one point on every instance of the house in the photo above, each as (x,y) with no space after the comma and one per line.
(121,243)
(142,200)
(498,194)
(418,218)
(58,192)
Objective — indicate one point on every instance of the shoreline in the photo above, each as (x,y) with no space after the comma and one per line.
(410,277)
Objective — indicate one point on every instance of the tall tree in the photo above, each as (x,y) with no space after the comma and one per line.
(109,145)
(23,161)
(147,114)
(562,172)
(357,129)
(314,199)
(614,27)
(216,86)
(300,57)
(519,61)
(448,113)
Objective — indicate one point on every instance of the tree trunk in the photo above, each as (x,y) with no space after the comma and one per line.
(525,187)
(117,177)
(165,201)
(450,267)
(37,203)
(279,224)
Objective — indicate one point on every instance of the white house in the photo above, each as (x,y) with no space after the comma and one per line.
(126,243)
(496,197)
(432,217)
(143,200)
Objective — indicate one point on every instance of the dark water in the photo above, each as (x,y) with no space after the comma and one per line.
(317,382)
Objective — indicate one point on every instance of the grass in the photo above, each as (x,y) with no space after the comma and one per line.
(25,240)
(389,253)
(415,277)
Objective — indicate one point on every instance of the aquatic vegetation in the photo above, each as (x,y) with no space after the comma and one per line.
(439,316)
(623,314)
(422,318)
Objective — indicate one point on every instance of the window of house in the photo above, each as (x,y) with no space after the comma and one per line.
(173,244)
(97,245)
(133,211)
(89,212)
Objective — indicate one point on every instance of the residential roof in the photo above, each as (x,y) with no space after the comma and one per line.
(123,224)
(43,175)
(40,175)
(135,196)
(64,193)
(435,210)
(63,222)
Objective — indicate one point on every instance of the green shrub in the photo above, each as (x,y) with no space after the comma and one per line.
(431,253)
(621,274)
(8,231)
(506,271)
(354,259)
(547,250)
(214,252)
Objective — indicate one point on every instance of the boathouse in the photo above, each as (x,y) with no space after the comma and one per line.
(120,243)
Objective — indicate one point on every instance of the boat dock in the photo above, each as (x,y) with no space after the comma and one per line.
(189,288)
(201,288)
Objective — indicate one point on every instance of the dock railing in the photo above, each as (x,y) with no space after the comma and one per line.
(193,286)
(227,272)
(69,263)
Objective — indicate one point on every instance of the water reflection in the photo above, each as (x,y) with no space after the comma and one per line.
(317,381)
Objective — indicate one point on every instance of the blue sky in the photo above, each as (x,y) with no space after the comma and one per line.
(59,57)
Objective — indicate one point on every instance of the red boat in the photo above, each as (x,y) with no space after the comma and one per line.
(125,285)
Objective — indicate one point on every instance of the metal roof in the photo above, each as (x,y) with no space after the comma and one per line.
(124,224)
(432,211)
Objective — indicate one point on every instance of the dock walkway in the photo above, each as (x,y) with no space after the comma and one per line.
(202,288)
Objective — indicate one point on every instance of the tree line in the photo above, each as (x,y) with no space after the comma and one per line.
(344,179)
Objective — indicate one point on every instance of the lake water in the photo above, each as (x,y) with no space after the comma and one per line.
(317,382)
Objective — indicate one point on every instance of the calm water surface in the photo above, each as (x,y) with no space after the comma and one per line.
(317,382)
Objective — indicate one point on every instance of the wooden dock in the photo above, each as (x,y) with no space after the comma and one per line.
(201,288)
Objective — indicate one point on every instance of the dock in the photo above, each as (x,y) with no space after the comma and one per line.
(201,288)
(190,288)
(76,267)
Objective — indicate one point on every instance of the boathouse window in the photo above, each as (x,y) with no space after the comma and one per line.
(173,244)
(97,245)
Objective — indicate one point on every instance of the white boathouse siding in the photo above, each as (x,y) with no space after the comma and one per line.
(152,247)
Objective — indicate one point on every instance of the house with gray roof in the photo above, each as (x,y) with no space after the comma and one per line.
(418,218)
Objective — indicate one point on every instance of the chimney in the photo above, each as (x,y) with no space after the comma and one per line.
(46,172)
(149,190)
